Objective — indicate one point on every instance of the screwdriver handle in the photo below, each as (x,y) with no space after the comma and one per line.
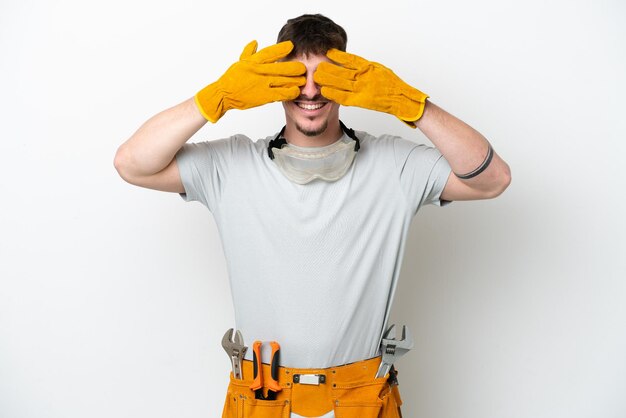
(257,366)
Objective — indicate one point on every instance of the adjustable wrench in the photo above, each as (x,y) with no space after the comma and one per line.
(393,349)
(235,350)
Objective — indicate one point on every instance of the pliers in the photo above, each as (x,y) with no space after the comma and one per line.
(272,386)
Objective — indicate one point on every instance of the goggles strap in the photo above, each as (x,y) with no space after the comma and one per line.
(279,141)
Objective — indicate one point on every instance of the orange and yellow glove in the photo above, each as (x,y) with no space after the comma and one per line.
(359,82)
(256,79)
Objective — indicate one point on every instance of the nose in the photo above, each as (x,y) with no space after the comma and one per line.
(310,90)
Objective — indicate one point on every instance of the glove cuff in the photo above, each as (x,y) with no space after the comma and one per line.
(210,102)
(414,109)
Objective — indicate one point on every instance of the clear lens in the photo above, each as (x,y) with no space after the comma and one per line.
(303,165)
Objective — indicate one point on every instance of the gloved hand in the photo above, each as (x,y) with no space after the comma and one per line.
(256,79)
(359,82)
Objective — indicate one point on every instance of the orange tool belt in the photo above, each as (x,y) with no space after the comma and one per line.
(351,391)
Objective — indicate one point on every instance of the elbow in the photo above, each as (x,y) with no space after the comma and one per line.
(121,162)
(501,181)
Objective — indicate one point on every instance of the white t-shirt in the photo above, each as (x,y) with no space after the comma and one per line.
(313,266)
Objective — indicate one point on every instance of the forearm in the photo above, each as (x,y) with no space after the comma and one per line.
(465,149)
(156,142)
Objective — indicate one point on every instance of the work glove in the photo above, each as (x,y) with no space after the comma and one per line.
(359,82)
(256,79)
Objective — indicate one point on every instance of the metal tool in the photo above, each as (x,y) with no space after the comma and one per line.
(273,387)
(235,350)
(393,349)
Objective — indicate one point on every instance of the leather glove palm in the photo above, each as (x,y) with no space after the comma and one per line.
(256,79)
(359,82)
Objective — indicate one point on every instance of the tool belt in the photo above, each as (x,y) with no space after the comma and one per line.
(351,391)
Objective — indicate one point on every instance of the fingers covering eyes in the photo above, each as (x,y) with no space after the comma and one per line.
(331,75)
(288,68)
(272,53)
(338,96)
(286,81)
(346,59)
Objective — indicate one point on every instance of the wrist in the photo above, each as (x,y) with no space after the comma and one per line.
(416,108)
(210,102)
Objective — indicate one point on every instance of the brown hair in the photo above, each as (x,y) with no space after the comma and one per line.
(313,34)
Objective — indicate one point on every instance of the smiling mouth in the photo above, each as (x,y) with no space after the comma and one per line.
(310,106)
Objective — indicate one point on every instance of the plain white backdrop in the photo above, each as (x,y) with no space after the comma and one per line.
(113,299)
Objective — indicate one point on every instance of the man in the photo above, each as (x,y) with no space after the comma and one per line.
(313,220)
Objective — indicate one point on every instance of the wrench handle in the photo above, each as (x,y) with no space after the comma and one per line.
(383,370)
(236,366)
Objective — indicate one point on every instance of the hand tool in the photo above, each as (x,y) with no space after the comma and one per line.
(393,349)
(272,386)
(235,350)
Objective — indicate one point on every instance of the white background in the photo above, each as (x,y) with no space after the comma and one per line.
(113,299)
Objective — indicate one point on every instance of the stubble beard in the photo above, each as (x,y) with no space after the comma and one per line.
(312,132)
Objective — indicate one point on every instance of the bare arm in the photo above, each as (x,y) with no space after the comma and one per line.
(354,81)
(147,159)
(465,149)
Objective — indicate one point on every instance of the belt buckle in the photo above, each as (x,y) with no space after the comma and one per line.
(309,379)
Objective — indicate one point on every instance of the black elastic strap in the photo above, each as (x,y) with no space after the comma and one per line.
(351,134)
(279,141)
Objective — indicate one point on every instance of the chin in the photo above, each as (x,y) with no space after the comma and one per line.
(312,129)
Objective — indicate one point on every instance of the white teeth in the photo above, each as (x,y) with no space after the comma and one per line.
(311,106)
